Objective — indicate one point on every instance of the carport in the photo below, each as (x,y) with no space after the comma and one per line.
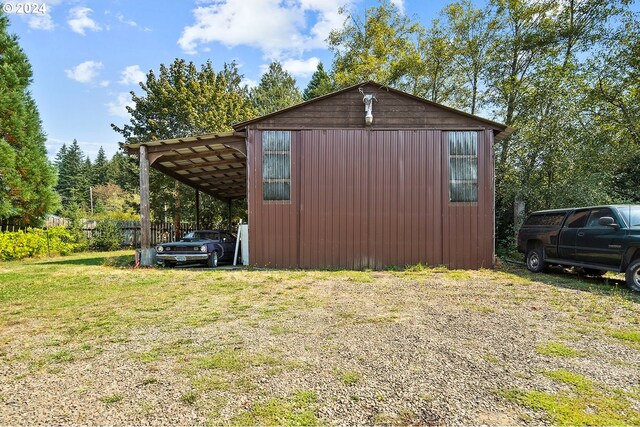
(214,164)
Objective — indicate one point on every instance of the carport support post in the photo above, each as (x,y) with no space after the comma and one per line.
(197,209)
(147,254)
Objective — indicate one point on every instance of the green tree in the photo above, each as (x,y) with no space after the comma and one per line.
(27,178)
(382,46)
(434,75)
(320,84)
(100,169)
(277,90)
(472,31)
(180,100)
(73,176)
(123,171)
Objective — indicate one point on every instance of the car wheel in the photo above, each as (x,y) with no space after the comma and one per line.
(594,272)
(633,275)
(213,260)
(535,261)
(167,264)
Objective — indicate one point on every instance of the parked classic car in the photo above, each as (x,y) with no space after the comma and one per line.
(595,240)
(201,246)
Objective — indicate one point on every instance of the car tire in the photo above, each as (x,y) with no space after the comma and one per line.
(633,275)
(593,272)
(534,260)
(213,260)
(168,264)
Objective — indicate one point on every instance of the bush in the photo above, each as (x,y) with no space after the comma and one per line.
(108,235)
(37,242)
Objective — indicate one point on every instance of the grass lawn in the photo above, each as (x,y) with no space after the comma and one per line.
(86,339)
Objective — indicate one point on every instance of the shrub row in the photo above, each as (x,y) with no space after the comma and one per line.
(38,242)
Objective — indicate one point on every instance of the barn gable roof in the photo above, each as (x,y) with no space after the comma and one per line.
(300,113)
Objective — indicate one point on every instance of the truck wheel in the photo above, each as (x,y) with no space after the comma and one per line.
(535,261)
(633,275)
(213,260)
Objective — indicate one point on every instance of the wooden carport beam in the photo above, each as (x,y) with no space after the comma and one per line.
(208,164)
(146,253)
(197,155)
(224,140)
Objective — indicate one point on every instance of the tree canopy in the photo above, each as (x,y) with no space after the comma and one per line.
(276,90)
(27,179)
(320,84)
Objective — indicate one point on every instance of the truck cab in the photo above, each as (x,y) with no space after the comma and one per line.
(595,239)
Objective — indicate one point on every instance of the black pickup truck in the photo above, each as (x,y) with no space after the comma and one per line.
(594,240)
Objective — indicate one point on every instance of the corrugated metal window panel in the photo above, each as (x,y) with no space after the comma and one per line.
(276,165)
(463,166)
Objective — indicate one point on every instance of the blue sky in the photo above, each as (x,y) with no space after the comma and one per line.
(87,55)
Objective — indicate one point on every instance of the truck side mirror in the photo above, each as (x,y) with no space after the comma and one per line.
(608,221)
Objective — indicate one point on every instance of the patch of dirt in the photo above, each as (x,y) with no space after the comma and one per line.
(423,349)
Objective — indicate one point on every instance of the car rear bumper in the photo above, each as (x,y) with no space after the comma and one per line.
(182,257)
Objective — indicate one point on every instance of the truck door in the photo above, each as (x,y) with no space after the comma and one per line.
(599,244)
(569,234)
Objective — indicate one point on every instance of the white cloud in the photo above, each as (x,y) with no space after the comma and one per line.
(273,26)
(84,72)
(79,20)
(130,22)
(249,83)
(41,22)
(399,4)
(132,75)
(104,83)
(301,67)
(118,107)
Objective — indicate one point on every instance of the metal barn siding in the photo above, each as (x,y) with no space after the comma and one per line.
(273,224)
(393,193)
(468,226)
(370,199)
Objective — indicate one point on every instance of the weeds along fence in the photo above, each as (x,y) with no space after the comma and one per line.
(129,231)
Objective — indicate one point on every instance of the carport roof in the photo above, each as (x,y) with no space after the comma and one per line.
(215,163)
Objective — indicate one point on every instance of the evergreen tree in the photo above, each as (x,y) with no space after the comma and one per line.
(73,179)
(123,171)
(320,84)
(100,170)
(60,155)
(277,90)
(26,176)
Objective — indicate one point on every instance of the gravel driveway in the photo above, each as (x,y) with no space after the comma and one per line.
(417,347)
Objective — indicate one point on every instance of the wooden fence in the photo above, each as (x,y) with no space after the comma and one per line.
(130,230)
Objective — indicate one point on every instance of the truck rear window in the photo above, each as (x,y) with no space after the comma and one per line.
(547,219)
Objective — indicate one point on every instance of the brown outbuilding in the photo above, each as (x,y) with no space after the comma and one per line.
(365,177)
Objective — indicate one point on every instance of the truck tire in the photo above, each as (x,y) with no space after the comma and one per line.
(534,260)
(633,275)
